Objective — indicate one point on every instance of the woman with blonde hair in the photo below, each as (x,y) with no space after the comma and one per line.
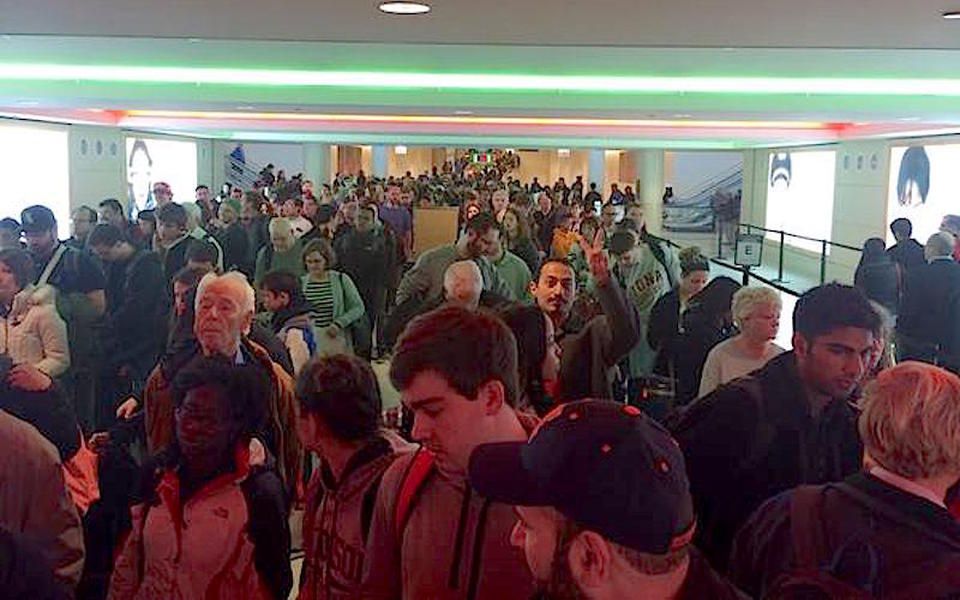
(756,313)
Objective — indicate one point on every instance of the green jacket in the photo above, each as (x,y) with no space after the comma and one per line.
(515,274)
(347,304)
(269,259)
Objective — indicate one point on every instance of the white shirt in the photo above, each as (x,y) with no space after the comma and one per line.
(726,362)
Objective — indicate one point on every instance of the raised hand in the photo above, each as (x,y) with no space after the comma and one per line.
(597,258)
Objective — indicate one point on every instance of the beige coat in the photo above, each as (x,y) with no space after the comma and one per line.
(33,332)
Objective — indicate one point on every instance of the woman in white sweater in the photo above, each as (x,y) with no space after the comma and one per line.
(31,330)
(756,312)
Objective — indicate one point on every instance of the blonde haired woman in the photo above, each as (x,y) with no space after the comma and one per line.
(756,313)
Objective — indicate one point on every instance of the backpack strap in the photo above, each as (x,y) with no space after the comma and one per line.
(806,527)
(419,470)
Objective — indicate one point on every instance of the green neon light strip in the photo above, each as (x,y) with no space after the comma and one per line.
(513,82)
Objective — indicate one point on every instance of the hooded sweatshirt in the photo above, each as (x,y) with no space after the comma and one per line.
(337,520)
(32,332)
(294,327)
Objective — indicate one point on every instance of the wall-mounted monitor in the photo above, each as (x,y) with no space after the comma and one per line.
(924,186)
(150,160)
(800,196)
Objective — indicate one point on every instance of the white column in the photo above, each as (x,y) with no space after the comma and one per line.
(649,188)
(317,163)
(378,160)
(596,167)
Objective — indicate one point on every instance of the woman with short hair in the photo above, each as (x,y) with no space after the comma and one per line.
(756,313)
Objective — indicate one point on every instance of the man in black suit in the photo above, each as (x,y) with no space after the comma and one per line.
(907,252)
(928,328)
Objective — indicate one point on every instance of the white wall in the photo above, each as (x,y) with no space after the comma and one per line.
(97,165)
(286,157)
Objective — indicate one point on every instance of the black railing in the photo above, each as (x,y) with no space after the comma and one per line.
(824,245)
(778,284)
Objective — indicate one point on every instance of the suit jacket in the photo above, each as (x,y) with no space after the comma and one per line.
(929,321)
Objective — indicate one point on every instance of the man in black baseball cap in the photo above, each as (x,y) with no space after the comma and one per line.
(603,506)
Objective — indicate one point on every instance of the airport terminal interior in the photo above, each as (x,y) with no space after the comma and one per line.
(452,300)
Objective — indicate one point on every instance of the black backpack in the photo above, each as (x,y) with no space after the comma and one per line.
(816,574)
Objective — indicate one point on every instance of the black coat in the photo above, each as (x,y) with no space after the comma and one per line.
(880,281)
(753,438)
(908,255)
(663,331)
(49,411)
(929,321)
(236,248)
(859,516)
(137,314)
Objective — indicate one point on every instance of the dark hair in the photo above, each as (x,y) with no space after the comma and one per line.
(139,146)
(20,264)
(482,222)
(105,234)
(713,303)
(914,166)
(831,306)
(9,223)
(201,187)
(523,225)
(591,222)
(901,226)
(530,331)
(284,282)
(172,213)
(202,251)
(323,247)
(692,260)
(468,348)
(113,204)
(297,200)
(555,260)
(149,215)
(343,391)
(92,215)
(622,241)
(188,276)
(873,249)
(245,389)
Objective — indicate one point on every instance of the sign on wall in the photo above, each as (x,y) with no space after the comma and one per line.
(800,189)
(924,186)
(151,160)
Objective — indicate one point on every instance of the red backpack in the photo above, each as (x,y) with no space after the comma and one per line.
(816,573)
(419,470)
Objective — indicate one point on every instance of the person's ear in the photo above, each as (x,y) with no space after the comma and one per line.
(800,344)
(493,395)
(591,560)
(532,288)
(247,323)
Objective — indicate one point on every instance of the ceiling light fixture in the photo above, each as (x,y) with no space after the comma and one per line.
(505,121)
(600,84)
(400,150)
(404,8)
(953,15)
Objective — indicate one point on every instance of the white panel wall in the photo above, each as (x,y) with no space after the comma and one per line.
(97,165)
(286,157)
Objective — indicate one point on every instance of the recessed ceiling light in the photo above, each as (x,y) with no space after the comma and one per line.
(463,112)
(245,107)
(952,15)
(404,8)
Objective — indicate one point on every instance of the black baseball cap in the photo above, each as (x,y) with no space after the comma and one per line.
(36,218)
(604,465)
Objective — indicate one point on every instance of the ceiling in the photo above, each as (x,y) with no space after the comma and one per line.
(686,73)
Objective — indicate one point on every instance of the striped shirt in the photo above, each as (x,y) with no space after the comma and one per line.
(320,296)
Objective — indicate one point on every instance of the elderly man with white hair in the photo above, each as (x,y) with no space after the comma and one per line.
(883,532)
(283,253)
(224,308)
(928,326)
(756,312)
(196,231)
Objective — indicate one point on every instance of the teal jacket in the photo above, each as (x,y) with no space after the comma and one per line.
(347,304)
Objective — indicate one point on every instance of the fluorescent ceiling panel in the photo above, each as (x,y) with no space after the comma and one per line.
(483,81)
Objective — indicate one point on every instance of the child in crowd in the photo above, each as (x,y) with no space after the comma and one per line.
(291,320)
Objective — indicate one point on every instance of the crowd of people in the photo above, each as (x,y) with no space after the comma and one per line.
(585,412)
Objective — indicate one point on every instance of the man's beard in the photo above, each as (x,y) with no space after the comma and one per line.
(560,585)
